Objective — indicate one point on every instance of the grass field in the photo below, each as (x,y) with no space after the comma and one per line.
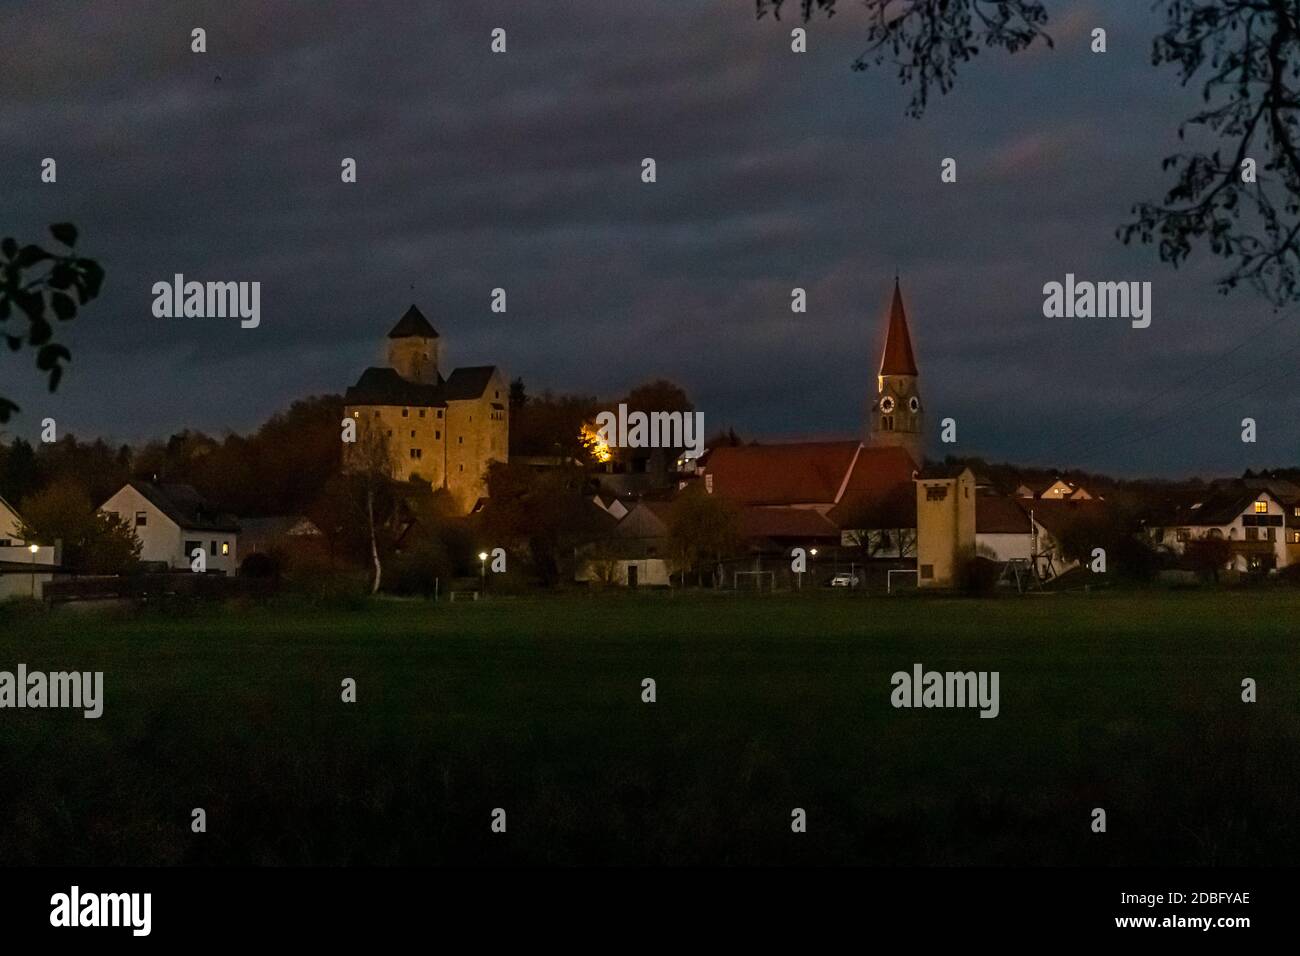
(1127,702)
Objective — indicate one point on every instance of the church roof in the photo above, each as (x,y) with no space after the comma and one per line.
(897,359)
(413,324)
(846,477)
(785,474)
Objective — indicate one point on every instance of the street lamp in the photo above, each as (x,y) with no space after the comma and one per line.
(482,562)
(33,548)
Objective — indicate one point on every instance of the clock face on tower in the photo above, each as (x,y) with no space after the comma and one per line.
(914,404)
(887,405)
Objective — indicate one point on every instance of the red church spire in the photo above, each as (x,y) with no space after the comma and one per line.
(897,358)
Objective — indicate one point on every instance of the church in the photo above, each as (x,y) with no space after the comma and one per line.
(857,493)
(444,431)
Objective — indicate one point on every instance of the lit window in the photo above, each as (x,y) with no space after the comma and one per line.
(1261,507)
(1295,537)
(225,547)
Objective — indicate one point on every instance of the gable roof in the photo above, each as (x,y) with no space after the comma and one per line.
(185,506)
(786,523)
(787,474)
(880,487)
(897,358)
(384,386)
(7,509)
(413,324)
(997,515)
(468,382)
(1055,515)
(1222,508)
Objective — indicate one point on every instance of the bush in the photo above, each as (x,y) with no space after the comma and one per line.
(417,570)
(980,575)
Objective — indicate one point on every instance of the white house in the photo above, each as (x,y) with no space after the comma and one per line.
(172,521)
(1252,521)
(1030,529)
(25,566)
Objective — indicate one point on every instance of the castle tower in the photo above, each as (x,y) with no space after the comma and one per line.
(413,348)
(897,416)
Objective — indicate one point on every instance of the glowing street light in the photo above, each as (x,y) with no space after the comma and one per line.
(33,548)
(482,562)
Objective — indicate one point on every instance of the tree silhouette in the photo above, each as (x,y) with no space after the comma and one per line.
(1249,54)
(41,285)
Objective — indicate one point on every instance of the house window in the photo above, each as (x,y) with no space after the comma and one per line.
(1261,507)
(927,572)
(225,547)
(406,412)
(1252,534)
(460,439)
(141,519)
(936,492)
(1271,534)
(1296,511)
(887,422)
(440,413)
(1183,534)
(462,468)
(212,548)
(422,413)
(437,435)
(417,453)
(1295,537)
(412,432)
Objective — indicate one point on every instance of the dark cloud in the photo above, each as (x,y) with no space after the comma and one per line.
(522,171)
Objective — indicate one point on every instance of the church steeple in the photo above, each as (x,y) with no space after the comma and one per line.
(897,358)
(896,415)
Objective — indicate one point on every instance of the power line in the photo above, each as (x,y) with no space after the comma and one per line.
(1084,442)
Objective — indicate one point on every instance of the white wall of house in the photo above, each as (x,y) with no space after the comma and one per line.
(650,572)
(164,540)
(1005,546)
(9,522)
(1175,538)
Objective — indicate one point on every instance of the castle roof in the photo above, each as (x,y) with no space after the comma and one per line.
(384,386)
(413,325)
(897,358)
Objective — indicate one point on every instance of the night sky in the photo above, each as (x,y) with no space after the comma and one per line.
(523,171)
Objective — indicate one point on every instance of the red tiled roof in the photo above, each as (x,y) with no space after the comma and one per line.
(789,474)
(786,523)
(1055,516)
(879,487)
(995,515)
(897,358)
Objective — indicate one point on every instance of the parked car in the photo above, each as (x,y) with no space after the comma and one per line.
(844,580)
